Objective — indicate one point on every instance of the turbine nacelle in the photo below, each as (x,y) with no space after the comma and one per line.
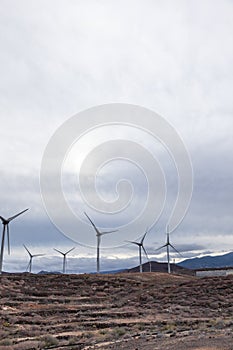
(141,246)
(64,256)
(98,235)
(6,230)
(32,255)
(29,267)
(167,245)
(7,221)
(4,221)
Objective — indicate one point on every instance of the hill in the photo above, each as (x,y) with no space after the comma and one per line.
(161,267)
(208,261)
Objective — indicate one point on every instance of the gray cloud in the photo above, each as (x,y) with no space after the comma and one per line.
(58,58)
(75,264)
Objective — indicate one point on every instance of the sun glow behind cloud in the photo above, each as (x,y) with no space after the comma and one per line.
(58,58)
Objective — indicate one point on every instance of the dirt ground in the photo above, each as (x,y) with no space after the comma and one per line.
(131,311)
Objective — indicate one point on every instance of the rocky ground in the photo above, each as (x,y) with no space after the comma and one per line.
(125,311)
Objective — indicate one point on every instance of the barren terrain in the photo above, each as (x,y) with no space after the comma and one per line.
(125,311)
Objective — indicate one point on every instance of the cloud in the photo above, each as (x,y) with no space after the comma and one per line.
(58,58)
(75,263)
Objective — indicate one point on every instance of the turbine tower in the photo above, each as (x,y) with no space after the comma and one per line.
(98,235)
(29,267)
(5,223)
(140,247)
(168,245)
(64,257)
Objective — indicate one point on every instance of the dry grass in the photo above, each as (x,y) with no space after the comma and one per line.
(114,311)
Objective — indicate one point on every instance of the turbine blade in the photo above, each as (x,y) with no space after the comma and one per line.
(145,252)
(104,233)
(176,250)
(143,237)
(2,218)
(133,242)
(27,250)
(70,250)
(8,238)
(163,246)
(58,251)
(15,216)
(92,223)
(37,255)
(3,233)
(28,266)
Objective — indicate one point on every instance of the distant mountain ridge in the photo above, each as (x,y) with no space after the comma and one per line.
(42,272)
(184,267)
(208,261)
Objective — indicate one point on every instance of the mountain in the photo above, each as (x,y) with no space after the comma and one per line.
(208,261)
(48,273)
(161,267)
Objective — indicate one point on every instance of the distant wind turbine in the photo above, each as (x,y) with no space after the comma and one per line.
(140,247)
(98,235)
(29,267)
(5,223)
(64,257)
(168,245)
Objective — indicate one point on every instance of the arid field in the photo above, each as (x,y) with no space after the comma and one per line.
(125,311)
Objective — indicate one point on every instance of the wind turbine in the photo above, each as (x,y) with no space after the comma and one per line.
(98,235)
(29,267)
(168,245)
(5,223)
(64,257)
(140,247)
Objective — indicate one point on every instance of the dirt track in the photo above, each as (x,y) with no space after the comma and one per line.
(127,311)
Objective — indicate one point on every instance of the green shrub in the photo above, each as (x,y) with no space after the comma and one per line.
(5,342)
(49,340)
(118,332)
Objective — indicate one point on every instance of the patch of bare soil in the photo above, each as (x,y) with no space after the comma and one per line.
(125,311)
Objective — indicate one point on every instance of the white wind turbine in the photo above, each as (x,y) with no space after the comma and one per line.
(98,235)
(140,247)
(168,245)
(5,223)
(64,257)
(29,267)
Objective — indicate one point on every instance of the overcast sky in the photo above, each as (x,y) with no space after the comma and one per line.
(58,58)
